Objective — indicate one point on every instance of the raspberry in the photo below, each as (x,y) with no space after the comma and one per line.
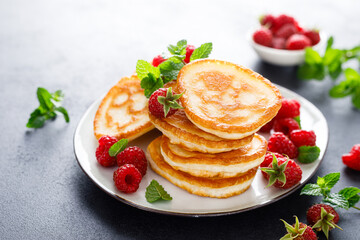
(290,108)
(293,173)
(299,231)
(308,234)
(285,125)
(189,50)
(267,20)
(158,60)
(279,143)
(267,127)
(278,43)
(313,35)
(135,156)
(313,213)
(281,20)
(352,159)
(158,109)
(263,37)
(127,178)
(102,151)
(268,160)
(286,31)
(297,42)
(303,138)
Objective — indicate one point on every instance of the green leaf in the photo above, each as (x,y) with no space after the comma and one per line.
(58,96)
(156,192)
(150,84)
(356,98)
(336,200)
(330,42)
(343,89)
(309,71)
(351,194)
(118,147)
(297,119)
(308,154)
(143,68)
(312,57)
(179,48)
(331,179)
(44,98)
(169,70)
(351,74)
(201,52)
(36,119)
(311,189)
(332,56)
(64,112)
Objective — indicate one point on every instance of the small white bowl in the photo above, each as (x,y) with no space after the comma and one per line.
(281,57)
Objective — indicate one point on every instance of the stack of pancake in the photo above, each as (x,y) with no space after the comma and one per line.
(210,148)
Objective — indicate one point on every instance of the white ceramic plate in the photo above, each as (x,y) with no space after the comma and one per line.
(184,203)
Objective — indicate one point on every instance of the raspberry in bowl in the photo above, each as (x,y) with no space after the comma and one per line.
(282,41)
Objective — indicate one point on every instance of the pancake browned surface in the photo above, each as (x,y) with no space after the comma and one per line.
(207,187)
(180,130)
(223,165)
(123,111)
(226,99)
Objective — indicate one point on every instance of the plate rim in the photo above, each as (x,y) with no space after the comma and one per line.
(203,214)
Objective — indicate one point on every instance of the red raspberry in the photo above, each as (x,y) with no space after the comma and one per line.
(158,60)
(135,156)
(267,20)
(290,108)
(102,151)
(352,159)
(297,42)
(267,127)
(286,31)
(303,138)
(156,108)
(293,173)
(263,37)
(281,20)
(189,50)
(313,214)
(299,231)
(278,43)
(269,158)
(285,125)
(313,35)
(308,234)
(279,143)
(127,178)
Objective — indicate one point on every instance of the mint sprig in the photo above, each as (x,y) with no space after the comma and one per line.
(50,104)
(118,147)
(155,192)
(308,154)
(345,198)
(153,78)
(331,64)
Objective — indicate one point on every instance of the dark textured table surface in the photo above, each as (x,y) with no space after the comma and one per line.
(83,48)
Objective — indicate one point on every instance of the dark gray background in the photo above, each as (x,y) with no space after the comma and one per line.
(83,48)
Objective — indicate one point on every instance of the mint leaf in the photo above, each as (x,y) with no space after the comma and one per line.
(336,200)
(156,192)
(356,98)
(64,112)
(44,98)
(330,42)
(351,194)
(297,119)
(36,120)
(343,89)
(118,147)
(58,96)
(311,189)
(143,68)
(308,154)
(201,52)
(150,84)
(170,70)
(179,48)
(331,179)
(312,57)
(309,71)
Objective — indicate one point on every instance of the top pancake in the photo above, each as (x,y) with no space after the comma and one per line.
(226,99)
(123,112)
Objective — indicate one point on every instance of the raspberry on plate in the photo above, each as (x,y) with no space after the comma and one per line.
(286,125)
(297,42)
(263,37)
(352,159)
(303,138)
(163,102)
(189,50)
(290,108)
(267,127)
(133,155)
(158,60)
(283,173)
(268,160)
(280,143)
(127,178)
(102,151)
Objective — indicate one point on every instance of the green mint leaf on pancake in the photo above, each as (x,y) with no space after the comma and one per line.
(150,84)
(170,69)
(143,68)
(118,147)
(308,154)
(201,52)
(155,192)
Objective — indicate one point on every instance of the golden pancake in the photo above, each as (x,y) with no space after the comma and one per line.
(206,187)
(225,99)
(223,165)
(180,130)
(123,113)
